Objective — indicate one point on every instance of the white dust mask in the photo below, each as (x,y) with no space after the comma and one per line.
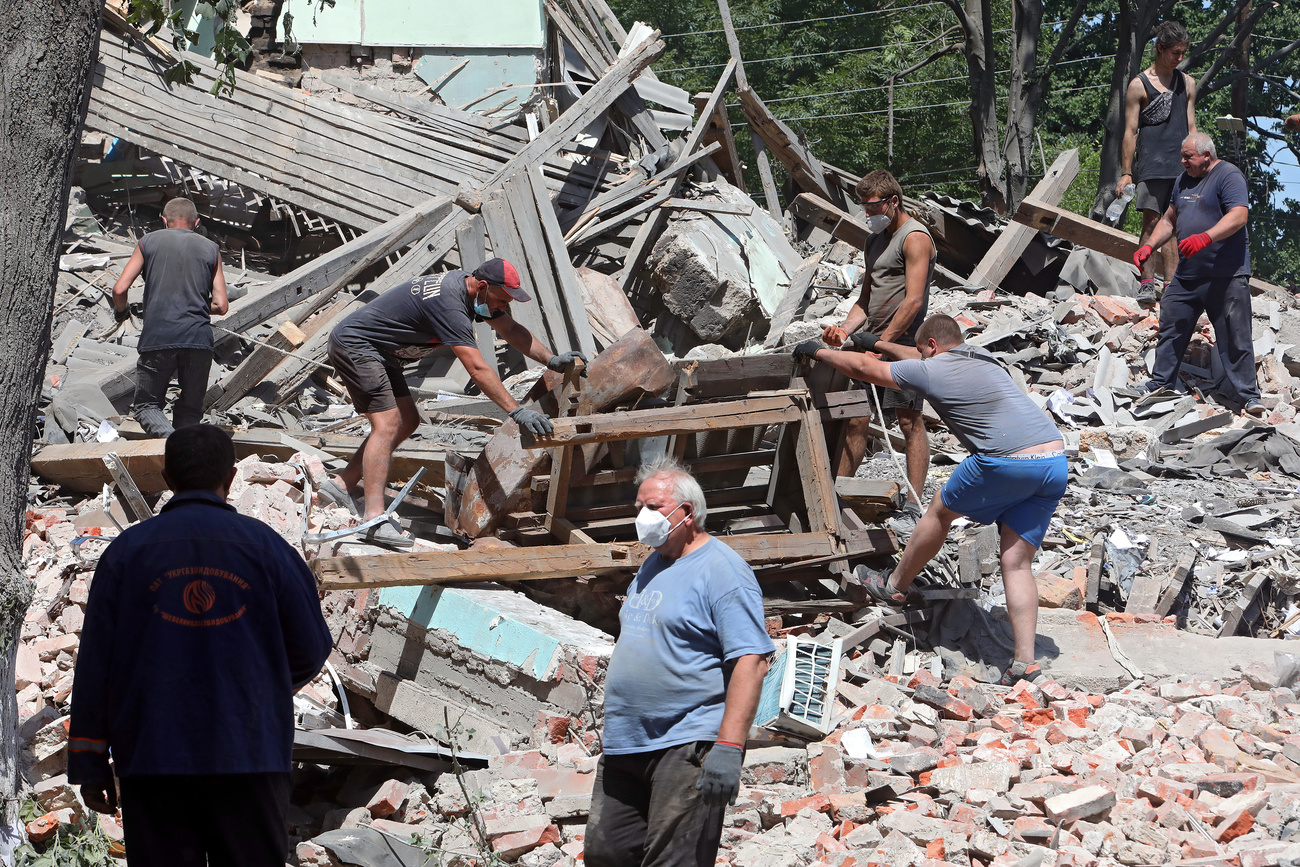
(652,527)
(877,223)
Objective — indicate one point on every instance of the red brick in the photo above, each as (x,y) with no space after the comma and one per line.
(827,770)
(819,803)
(934,848)
(948,706)
(388,800)
(1039,717)
(1234,826)
(511,846)
(42,829)
(1115,311)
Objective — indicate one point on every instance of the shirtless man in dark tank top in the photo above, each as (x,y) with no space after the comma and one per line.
(1161,103)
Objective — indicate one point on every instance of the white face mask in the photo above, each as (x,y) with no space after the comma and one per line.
(652,527)
(877,223)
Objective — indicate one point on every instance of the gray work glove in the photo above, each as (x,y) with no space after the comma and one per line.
(720,775)
(532,421)
(807,349)
(122,315)
(561,361)
(864,341)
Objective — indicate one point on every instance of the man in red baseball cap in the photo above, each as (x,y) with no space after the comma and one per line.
(369,348)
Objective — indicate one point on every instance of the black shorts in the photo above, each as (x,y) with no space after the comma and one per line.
(1153,194)
(372,385)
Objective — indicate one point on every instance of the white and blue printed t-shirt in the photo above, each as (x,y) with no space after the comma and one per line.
(681,621)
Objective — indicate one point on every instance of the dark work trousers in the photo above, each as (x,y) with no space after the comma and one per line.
(208,820)
(154,372)
(645,810)
(1226,301)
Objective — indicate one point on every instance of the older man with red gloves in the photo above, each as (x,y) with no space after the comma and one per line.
(1208,214)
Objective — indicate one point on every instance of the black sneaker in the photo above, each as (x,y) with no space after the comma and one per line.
(1021,671)
(1149,291)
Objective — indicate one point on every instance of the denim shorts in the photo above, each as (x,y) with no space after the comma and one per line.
(1019,491)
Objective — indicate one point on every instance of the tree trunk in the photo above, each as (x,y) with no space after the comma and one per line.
(47,52)
(1024,95)
(976,20)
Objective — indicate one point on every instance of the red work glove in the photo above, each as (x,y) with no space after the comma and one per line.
(1141,256)
(1189,247)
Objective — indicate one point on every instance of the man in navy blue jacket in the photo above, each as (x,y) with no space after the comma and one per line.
(201,624)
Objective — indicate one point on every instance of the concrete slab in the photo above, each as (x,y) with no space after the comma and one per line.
(1163,650)
(499,623)
(1079,657)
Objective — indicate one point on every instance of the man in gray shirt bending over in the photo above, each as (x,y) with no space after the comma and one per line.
(1014,477)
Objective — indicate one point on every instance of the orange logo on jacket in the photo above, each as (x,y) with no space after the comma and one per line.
(199,597)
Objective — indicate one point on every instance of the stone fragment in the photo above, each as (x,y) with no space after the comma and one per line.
(996,776)
(1082,804)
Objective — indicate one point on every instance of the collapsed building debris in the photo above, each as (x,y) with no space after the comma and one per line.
(461,710)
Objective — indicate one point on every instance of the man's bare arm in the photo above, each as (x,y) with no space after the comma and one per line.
(744,686)
(1164,229)
(1133,99)
(859,365)
(130,271)
(1191,103)
(484,376)
(220,303)
(520,338)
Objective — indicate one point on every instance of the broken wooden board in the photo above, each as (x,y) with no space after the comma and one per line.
(1010,245)
(668,421)
(1173,588)
(837,222)
(498,482)
(804,168)
(1097,236)
(261,361)
(545,561)
(1246,608)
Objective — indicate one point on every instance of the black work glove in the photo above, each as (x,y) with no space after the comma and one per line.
(561,361)
(720,775)
(807,349)
(532,421)
(122,315)
(864,341)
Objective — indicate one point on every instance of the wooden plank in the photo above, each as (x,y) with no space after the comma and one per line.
(1098,236)
(1246,608)
(1177,581)
(719,130)
(666,421)
(804,168)
(785,311)
(504,238)
(539,562)
(336,268)
(876,625)
(1144,595)
(813,465)
(469,241)
(517,193)
(1010,245)
(579,322)
(80,466)
(836,221)
(1096,559)
(261,361)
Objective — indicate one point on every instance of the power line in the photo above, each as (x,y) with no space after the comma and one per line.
(805,20)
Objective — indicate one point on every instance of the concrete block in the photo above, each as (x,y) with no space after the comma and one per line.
(1082,804)
(767,765)
(996,776)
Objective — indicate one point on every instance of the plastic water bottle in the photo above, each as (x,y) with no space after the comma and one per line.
(1116,209)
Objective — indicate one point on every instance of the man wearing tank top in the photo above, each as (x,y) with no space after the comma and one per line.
(895,294)
(1161,102)
(183,286)
(1014,477)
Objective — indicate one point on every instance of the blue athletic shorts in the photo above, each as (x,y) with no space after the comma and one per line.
(1020,492)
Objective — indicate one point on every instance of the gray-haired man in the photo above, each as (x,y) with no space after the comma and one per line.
(682,687)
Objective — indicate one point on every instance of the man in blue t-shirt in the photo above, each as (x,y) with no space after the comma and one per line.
(1208,213)
(369,348)
(682,687)
(1015,476)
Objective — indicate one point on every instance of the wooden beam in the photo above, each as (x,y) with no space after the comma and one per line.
(838,222)
(667,421)
(541,561)
(1010,245)
(719,130)
(1177,581)
(261,361)
(760,151)
(1098,236)
(336,268)
(804,168)
(1246,608)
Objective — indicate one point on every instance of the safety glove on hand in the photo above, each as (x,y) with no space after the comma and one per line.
(532,421)
(1140,257)
(807,349)
(864,341)
(1189,247)
(720,775)
(561,361)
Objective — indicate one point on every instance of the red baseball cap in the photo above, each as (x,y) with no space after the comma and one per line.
(499,272)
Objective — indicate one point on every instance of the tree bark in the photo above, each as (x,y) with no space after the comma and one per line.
(47,52)
(1024,95)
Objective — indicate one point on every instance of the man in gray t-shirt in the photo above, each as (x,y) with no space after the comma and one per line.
(183,286)
(1015,476)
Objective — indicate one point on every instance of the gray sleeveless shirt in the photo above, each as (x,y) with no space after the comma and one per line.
(887,264)
(178,269)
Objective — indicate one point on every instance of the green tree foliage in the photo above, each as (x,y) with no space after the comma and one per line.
(829,79)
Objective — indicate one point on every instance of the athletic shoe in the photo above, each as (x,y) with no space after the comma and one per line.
(878,587)
(388,536)
(1149,291)
(1256,407)
(904,523)
(1021,671)
(333,491)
